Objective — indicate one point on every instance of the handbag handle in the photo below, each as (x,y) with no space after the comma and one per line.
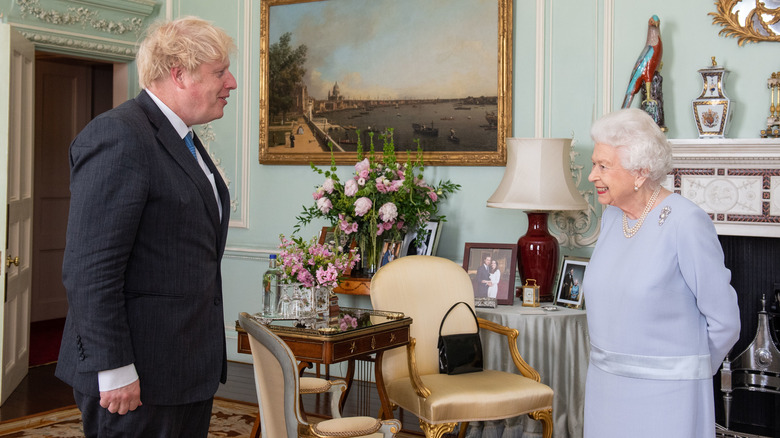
(453,306)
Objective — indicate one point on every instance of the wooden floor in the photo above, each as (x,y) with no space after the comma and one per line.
(41,391)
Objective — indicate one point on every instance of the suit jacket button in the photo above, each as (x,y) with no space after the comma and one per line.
(217,301)
(82,357)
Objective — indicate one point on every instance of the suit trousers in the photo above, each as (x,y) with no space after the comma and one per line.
(147,421)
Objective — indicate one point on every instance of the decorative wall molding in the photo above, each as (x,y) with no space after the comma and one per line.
(206,135)
(80,45)
(249,253)
(736,181)
(99,29)
(576,229)
(81,16)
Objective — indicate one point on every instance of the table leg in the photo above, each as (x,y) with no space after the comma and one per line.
(385,413)
(256,429)
(348,379)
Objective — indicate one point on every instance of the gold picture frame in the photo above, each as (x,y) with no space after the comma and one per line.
(297,127)
(747,22)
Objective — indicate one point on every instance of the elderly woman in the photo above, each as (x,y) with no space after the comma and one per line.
(661,312)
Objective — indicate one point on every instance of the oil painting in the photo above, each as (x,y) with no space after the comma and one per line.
(335,73)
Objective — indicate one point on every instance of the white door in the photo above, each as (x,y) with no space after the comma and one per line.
(17,104)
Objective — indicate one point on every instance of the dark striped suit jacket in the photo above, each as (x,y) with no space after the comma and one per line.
(142,259)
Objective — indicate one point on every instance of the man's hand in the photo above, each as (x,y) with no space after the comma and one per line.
(122,400)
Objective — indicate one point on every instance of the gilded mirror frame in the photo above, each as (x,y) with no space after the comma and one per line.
(467,154)
(728,16)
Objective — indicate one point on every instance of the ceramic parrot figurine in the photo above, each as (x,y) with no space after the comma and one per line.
(647,63)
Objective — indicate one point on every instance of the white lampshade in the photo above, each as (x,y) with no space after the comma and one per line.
(537,177)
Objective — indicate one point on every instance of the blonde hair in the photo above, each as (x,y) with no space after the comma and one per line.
(187,42)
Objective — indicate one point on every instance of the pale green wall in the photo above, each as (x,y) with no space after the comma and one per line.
(573,89)
(572,86)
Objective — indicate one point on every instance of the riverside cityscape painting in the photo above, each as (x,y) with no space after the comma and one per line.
(435,73)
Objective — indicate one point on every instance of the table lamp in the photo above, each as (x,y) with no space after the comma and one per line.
(538,179)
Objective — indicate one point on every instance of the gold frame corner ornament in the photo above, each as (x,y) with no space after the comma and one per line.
(504,73)
(756,27)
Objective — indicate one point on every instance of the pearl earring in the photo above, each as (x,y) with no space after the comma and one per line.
(636,188)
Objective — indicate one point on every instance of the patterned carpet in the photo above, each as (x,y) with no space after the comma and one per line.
(228,419)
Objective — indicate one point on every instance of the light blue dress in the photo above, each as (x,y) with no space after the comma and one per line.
(661,318)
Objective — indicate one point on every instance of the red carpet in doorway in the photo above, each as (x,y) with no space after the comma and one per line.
(45,338)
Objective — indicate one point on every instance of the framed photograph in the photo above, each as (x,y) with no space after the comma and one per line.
(328,235)
(570,292)
(409,65)
(428,244)
(391,250)
(491,267)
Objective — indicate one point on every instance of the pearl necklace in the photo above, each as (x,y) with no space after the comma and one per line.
(629,232)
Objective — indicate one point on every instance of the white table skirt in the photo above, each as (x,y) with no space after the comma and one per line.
(556,344)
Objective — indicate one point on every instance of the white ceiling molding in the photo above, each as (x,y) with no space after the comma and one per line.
(99,29)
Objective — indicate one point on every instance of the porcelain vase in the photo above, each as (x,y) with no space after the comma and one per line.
(712,109)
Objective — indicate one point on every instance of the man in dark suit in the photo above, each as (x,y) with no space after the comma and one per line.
(144,341)
(483,276)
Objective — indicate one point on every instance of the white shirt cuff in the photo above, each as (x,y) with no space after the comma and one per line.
(113,379)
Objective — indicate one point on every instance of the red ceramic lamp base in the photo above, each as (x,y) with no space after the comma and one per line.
(538,255)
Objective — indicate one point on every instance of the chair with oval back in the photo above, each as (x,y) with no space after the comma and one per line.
(424,288)
(278,389)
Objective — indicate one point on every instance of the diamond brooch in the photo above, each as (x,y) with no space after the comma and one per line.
(664,214)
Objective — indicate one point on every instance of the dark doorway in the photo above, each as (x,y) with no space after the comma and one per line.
(69,92)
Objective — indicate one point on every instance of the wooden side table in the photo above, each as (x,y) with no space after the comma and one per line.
(387,330)
(354,286)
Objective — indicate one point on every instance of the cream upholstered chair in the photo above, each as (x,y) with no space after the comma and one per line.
(278,389)
(424,288)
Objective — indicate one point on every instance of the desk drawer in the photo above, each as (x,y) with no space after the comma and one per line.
(370,343)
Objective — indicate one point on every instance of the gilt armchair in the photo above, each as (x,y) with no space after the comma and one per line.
(278,393)
(424,288)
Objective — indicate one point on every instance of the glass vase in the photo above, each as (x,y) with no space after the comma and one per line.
(306,302)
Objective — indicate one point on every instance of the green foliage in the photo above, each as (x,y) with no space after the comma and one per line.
(382,200)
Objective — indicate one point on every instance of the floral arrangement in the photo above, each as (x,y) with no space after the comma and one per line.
(311,263)
(383,200)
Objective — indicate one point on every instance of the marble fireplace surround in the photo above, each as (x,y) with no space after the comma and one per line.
(736,181)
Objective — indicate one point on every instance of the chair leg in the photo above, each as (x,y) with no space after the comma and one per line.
(436,430)
(545,416)
(463,427)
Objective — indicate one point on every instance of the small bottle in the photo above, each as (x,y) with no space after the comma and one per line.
(271,288)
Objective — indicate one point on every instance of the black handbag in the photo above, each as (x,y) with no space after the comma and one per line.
(462,352)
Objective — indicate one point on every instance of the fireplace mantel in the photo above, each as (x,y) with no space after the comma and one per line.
(736,181)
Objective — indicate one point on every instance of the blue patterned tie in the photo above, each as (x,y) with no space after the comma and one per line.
(190,144)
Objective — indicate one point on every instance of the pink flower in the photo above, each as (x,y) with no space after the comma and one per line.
(324,205)
(346,227)
(382,227)
(317,195)
(382,184)
(434,197)
(351,188)
(362,168)
(362,206)
(328,185)
(361,181)
(327,275)
(388,212)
